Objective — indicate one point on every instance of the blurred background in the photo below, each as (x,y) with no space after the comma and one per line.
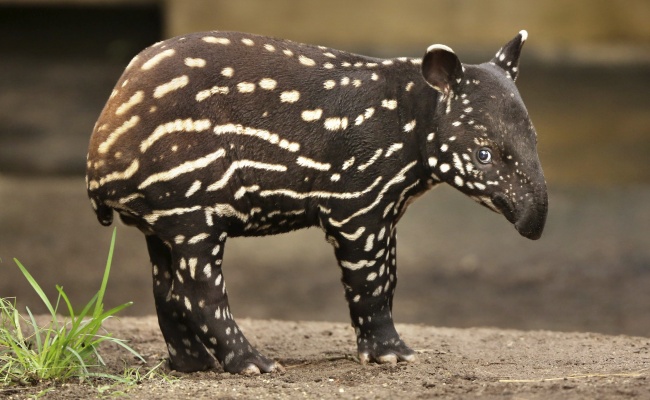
(585,78)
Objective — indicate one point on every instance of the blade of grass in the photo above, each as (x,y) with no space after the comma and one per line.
(122,343)
(107,270)
(39,343)
(82,364)
(36,287)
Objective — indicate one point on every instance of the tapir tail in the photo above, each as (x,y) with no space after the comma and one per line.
(104,213)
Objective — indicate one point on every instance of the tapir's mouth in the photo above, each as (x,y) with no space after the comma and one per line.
(505,207)
(529,218)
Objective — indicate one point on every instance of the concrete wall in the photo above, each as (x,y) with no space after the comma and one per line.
(582,30)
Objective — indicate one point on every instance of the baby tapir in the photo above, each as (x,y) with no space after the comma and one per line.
(220,134)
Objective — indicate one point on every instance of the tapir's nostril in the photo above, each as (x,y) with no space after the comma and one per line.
(528,217)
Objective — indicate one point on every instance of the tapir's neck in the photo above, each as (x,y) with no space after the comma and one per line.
(417,106)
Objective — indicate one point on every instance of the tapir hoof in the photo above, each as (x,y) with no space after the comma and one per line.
(391,357)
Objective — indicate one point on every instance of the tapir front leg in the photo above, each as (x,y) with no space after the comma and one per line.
(369,276)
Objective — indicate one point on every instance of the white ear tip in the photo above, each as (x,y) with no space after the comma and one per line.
(434,47)
(524,35)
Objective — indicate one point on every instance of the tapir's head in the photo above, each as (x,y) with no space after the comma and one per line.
(485,144)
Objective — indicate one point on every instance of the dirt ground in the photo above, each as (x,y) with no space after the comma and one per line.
(453,363)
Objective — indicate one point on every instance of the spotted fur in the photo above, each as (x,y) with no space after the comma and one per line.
(221,134)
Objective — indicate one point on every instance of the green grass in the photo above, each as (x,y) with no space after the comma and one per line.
(64,349)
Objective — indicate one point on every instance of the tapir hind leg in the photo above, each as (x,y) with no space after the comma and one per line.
(185,354)
(197,299)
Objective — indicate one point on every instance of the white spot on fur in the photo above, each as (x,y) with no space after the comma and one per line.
(268,84)
(363,117)
(178,125)
(306,61)
(204,94)
(389,104)
(409,126)
(371,161)
(198,238)
(393,148)
(329,84)
(228,72)
(336,123)
(245,189)
(127,105)
(246,87)
(354,236)
(235,165)
(186,167)
(112,138)
(115,176)
(216,40)
(369,243)
(311,115)
(192,265)
(174,84)
(347,163)
(357,265)
(155,60)
(195,62)
(309,163)
(290,96)
(265,135)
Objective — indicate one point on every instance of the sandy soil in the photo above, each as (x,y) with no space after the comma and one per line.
(453,363)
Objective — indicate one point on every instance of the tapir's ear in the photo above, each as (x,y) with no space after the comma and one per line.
(441,68)
(508,56)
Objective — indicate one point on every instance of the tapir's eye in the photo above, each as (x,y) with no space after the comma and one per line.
(484,155)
